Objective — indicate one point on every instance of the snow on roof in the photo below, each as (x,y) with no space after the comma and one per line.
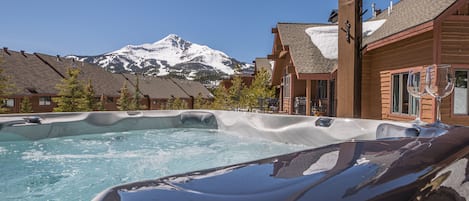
(272,64)
(371,26)
(326,37)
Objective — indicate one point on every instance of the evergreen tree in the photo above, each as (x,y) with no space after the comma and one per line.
(123,103)
(259,89)
(88,101)
(234,92)
(100,104)
(221,101)
(199,102)
(5,87)
(249,99)
(177,104)
(70,92)
(135,104)
(170,103)
(26,106)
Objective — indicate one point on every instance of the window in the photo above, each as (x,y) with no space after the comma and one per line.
(10,102)
(460,105)
(322,89)
(286,86)
(109,100)
(45,100)
(402,102)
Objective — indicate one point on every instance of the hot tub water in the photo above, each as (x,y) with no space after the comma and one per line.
(78,167)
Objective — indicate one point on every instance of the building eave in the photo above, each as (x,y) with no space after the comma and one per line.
(428,26)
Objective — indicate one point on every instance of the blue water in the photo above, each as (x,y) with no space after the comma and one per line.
(79,167)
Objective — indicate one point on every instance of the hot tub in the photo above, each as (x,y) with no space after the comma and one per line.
(340,154)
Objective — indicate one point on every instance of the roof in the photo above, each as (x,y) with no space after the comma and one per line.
(193,88)
(407,14)
(103,82)
(264,63)
(40,73)
(156,87)
(306,57)
(28,74)
(121,79)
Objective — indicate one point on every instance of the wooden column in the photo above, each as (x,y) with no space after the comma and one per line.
(291,109)
(329,101)
(349,70)
(308,97)
(280,99)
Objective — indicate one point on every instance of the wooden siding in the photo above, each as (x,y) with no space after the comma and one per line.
(287,105)
(366,94)
(300,87)
(455,50)
(385,88)
(415,51)
(455,42)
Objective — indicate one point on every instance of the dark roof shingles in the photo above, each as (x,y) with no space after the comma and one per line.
(155,87)
(103,82)
(28,72)
(407,14)
(263,63)
(306,57)
(193,88)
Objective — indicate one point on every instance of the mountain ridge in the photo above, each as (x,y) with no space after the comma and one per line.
(172,56)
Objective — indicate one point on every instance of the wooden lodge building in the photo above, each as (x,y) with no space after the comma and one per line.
(410,34)
(36,75)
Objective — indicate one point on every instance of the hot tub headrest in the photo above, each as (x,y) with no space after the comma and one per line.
(386,130)
(198,120)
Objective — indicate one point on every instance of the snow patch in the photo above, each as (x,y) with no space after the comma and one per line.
(326,37)
(163,72)
(371,26)
(174,50)
(272,64)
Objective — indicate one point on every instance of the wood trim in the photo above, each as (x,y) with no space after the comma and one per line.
(401,116)
(389,114)
(292,94)
(401,36)
(451,108)
(449,11)
(458,18)
(314,76)
(437,43)
(282,54)
(406,69)
(308,97)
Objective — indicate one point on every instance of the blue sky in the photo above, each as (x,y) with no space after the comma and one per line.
(240,28)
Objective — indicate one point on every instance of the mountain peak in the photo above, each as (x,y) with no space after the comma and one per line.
(174,41)
(172,54)
(172,37)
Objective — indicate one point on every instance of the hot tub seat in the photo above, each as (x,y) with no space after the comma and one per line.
(403,169)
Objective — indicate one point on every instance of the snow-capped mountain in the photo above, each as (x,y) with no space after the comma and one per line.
(171,55)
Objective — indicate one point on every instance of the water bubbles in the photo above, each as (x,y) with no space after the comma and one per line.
(3,150)
(78,167)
